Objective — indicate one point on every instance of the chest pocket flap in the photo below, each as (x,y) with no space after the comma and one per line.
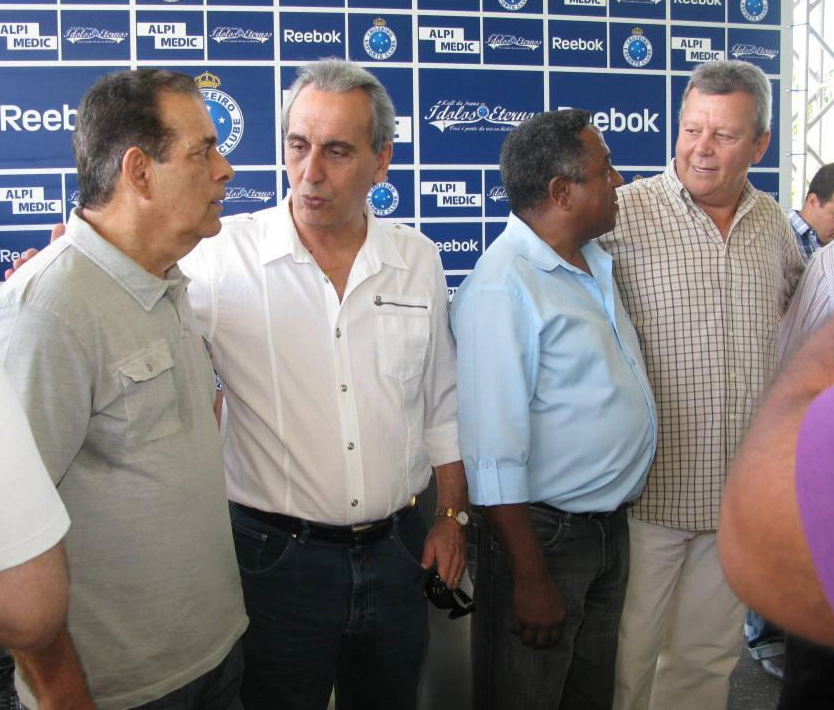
(150,394)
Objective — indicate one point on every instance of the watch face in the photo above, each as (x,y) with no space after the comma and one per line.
(462,517)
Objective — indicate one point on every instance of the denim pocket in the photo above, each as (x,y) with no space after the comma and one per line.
(409,537)
(259,552)
(551,530)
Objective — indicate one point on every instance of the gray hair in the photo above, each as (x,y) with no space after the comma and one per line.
(541,148)
(721,77)
(118,112)
(339,76)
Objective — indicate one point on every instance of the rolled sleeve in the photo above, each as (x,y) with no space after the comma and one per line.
(490,486)
(497,354)
(441,427)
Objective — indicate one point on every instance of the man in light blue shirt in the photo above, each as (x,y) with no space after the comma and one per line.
(557,425)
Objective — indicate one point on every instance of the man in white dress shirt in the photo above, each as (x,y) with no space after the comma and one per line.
(329,330)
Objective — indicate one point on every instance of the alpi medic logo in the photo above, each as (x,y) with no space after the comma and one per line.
(697,49)
(383,199)
(224,111)
(169,35)
(507,41)
(26,36)
(467,116)
(379,41)
(586,3)
(29,200)
(238,35)
(637,49)
(512,4)
(451,194)
(93,35)
(448,40)
(754,10)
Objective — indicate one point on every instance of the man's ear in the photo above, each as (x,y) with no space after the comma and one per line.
(137,171)
(559,191)
(383,160)
(762,142)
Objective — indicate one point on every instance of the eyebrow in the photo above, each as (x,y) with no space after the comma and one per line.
(206,142)
(327,144)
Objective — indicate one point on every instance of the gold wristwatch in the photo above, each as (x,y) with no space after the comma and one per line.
(461,517)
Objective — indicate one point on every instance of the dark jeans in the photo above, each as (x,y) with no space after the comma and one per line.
(219,689)
(323,614)
(809,676)
(588,558)
(8,696)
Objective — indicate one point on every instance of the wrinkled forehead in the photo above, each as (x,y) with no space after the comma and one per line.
(330,114)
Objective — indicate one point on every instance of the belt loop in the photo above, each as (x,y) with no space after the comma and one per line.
(304,535)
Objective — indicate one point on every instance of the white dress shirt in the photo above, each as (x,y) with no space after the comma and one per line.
(334,411)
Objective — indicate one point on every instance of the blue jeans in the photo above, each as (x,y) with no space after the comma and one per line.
(764,640)
(8,696)
(588,558)
(325,615)
(216,690)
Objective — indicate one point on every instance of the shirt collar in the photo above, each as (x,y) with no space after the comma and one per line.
(142,285)
(283,240)
(538,252)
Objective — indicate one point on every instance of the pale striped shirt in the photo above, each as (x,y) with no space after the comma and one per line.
(707,313)
(811,305)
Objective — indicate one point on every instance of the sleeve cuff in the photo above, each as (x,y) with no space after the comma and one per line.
(489,485)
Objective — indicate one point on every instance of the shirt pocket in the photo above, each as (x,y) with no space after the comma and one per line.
(402,325)
(150,394)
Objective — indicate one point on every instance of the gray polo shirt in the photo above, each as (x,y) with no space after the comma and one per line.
(118,388)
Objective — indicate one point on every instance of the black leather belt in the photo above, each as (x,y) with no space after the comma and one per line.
(362,534)
(587,516)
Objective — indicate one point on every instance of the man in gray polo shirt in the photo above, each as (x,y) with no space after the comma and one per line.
(99,341)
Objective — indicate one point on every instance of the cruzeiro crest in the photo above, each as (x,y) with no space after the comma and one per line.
(637,49)
(754,10)
(512,4)
(383,199)
(224,111)
(380,42)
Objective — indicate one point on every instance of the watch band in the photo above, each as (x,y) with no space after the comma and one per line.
(461,517)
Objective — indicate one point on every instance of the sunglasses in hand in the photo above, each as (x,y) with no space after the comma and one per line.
(458,601)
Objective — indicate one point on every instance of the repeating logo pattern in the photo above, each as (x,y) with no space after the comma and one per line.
(462,75)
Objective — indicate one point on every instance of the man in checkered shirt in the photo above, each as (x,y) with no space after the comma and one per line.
(705,264)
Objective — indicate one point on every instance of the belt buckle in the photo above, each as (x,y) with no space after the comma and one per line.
(361,528)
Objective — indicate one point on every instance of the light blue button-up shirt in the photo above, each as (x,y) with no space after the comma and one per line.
(553,400)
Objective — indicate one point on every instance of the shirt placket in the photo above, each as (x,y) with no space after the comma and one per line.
(338,315)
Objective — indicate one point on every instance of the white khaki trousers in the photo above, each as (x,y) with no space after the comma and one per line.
(681,627)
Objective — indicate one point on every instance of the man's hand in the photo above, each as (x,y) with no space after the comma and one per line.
(538,612)
(445,548)
(57,231)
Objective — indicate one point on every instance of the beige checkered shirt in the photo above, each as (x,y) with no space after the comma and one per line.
(707,313)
